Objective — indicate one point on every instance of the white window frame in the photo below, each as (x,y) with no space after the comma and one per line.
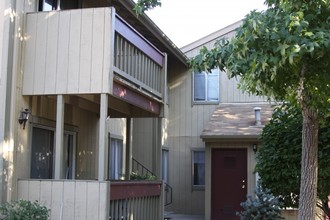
(117,172)
(195,186)
(215,73)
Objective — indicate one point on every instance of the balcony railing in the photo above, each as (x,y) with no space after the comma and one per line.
(137,60)
(68,199)
(84,51)
(79,199)
(136,200)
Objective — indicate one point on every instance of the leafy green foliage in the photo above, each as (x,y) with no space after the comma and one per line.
(283,53)
(145,5)
(278,160)
(262,206)
(271,47)
(23,210)
(137,176)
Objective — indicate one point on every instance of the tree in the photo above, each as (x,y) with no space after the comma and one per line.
(145,5)
(281,148)
(283,53)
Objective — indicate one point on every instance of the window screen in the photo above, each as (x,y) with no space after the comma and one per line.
(206,86)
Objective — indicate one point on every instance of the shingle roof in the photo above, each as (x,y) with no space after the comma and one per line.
(236,121)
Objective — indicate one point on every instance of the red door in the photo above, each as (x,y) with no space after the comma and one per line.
(228,183)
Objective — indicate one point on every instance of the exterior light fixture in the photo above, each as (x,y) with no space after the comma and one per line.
(257,115)
(255,148)
(23,117)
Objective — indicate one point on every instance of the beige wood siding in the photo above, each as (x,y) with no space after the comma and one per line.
(69,200)
(68,52)
(143,141)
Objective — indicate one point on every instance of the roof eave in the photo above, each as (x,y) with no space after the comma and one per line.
(231,138)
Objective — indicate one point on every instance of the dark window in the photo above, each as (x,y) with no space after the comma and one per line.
(42,153)
(199,168)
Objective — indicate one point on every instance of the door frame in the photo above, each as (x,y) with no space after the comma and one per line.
(251,178)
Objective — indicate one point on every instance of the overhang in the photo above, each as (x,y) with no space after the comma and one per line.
(236,122)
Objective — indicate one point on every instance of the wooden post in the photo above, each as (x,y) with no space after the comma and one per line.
(103,137)
(59,137)
(128,167)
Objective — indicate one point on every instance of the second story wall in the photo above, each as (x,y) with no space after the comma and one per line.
(68,52)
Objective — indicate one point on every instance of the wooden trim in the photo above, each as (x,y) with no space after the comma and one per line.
(131,96)
(134,189)
(137,82)
(138,40)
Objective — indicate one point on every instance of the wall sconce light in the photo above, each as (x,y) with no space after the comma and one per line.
(255,148)
(23,117)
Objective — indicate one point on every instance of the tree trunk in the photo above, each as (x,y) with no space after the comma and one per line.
(309,166)
(309,156)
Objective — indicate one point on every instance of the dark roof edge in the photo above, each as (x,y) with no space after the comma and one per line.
(159,34)
(233,138)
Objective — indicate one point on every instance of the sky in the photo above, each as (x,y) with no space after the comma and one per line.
(185,21)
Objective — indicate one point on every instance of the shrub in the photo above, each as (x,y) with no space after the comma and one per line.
(137,176)
(23,210)
(264,206)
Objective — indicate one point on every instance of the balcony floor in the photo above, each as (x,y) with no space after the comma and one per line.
(173,216)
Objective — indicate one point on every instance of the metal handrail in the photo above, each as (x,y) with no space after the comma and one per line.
(142,170)
(168,193)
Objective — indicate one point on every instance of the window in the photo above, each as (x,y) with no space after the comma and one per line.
(43,153)
(206,86)
(199,168)
(49,5)
(165,165)
(116,159)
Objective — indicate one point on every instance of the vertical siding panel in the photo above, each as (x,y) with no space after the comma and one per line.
(57,200)
(104,195)
(30,53)
(69,200)
(41,38)
(23,189)
(51,56)
(46,193)
(86,48)
(93,202)
(97,50)
(107,48)
(34,190)
(74,48)
(81,198)
(63,52)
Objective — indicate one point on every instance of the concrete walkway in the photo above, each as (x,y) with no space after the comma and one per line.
(185,217)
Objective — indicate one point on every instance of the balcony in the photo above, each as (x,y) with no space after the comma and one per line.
(78,199)
(91,51)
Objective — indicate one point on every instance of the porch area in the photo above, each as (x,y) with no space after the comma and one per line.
(78,199)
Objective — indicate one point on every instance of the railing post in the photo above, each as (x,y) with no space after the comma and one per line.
(161,201)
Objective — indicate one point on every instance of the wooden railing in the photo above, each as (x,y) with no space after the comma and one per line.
(136,200)
(137,60)
(83,51)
